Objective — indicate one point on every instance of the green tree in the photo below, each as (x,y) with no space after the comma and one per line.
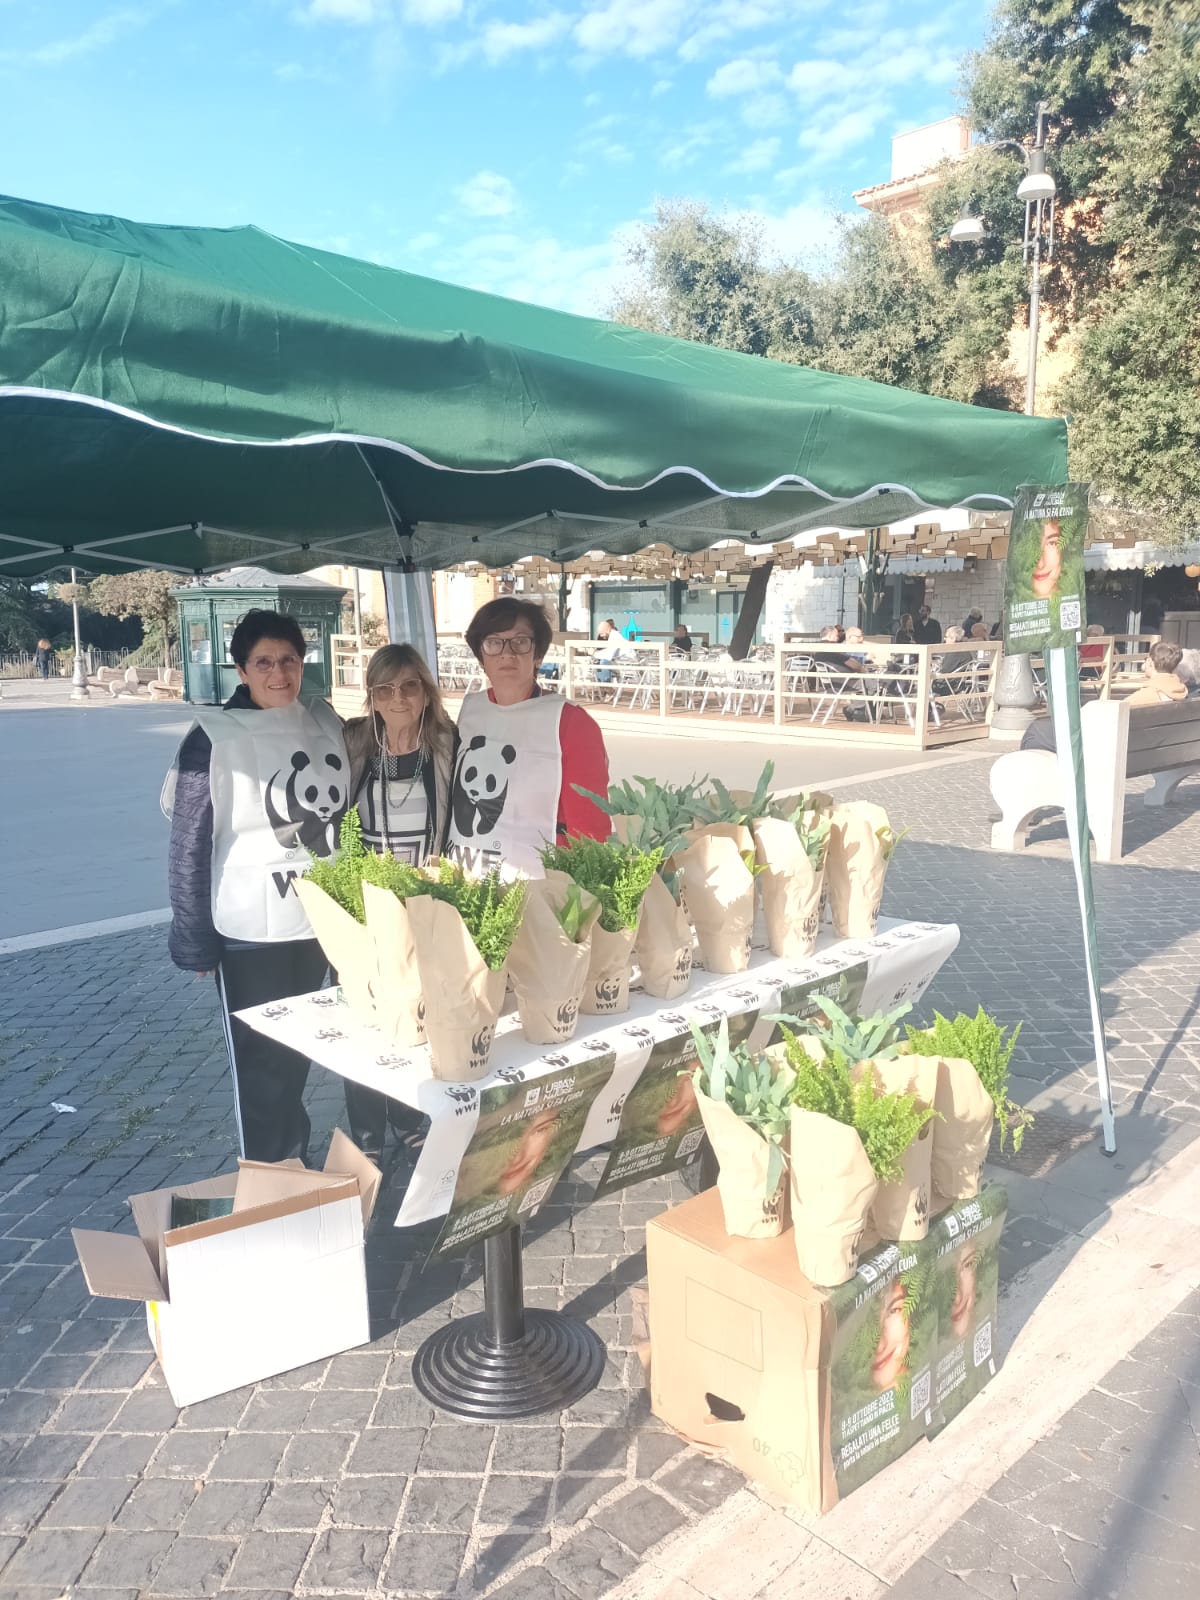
(18,625)
(145,594)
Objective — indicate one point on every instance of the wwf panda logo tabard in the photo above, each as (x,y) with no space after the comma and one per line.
(481,786)
(305,809)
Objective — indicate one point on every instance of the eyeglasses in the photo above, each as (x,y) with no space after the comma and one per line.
(520,644)
(393,691)
(266,664)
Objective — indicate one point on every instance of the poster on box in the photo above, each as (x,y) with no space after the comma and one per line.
(885,1342)
(806,984)
(1044,600)
(966,1276)
(525,1134)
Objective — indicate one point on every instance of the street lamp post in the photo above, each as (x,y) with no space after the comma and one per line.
(79,688)
(1016,697)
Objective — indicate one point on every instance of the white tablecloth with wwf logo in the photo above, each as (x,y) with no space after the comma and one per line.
(900,963)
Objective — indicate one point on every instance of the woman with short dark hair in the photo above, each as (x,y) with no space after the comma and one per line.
(258,789)
(522,751)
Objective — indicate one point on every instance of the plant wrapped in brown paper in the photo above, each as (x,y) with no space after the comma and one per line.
(362,926)
(903,1205)
(861,842)
(462,929)
(745,1103)
(847,1136)
(548,962)
(972,1057)
(617,875)
(791,846)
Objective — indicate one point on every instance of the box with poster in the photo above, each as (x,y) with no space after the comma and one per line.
(808,1391)
(245,1275)
(966,1271)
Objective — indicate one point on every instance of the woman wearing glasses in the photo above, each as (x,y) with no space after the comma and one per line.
(259,787)
(521,751)
(401,753)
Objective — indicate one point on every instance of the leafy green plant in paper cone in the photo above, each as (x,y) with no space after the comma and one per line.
(616,874)
(490,908)
(340,876)
(720,806)
(981,1041)
(756,1090)
(812,827)
(658,815)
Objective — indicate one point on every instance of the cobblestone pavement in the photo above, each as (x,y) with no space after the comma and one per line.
(1108,1505)
(338,1479)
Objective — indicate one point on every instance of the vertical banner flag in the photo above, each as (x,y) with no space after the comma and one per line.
(1044,612)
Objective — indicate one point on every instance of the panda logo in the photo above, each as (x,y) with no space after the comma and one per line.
(480,786)
(312,806)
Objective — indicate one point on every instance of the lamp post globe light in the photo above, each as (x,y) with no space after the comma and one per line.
(1016,697)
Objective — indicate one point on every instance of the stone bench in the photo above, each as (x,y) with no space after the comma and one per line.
(1120,742)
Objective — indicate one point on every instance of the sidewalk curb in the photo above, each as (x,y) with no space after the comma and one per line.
(1081,1309)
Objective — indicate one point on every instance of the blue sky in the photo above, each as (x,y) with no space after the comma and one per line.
(508,146)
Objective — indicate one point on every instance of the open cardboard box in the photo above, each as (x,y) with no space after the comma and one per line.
(278,1283)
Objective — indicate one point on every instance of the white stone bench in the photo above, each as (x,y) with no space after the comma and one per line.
(1120,742)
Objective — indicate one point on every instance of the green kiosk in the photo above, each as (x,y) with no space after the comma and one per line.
(211,608)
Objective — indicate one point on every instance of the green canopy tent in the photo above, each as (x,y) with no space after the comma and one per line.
(194,398)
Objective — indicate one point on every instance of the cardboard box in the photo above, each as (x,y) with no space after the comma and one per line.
(278,1283)
(809,1391)
(966,1246)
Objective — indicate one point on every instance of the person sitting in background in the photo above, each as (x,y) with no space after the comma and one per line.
(905,631)
(928,629)
(954,663)
(980,632)
(972,617)
(1163,684)
(1189,671)
(859,658)
(682,640)
(614,647)
(1091,656)
(840,663)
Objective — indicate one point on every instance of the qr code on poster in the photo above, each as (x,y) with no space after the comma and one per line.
(983,1343)
(920,1394)
(534,1195)
(1068,615)
(690,1143)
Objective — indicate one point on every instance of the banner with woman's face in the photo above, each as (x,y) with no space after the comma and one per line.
(1044,601)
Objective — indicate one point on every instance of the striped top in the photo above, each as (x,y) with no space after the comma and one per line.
(394,807)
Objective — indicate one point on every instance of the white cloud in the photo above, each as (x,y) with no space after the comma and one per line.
(803,235)
(820,79)
(827,141)
(757,156)
(487,194)
(98,35)
(503,39)
(542,269)
(730,17)
(631,27)
(744,75)
(421,243)
(684,150)
(662,86)
(359,13)
(431,13)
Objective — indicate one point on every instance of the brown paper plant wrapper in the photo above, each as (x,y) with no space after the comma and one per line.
(549,970)
(962,1136)
(832,1188)
(855,868)
(462,996)
(375,963)
(789,887)
(663,946)
(901,1209)
(719,890)
(743,1155)
(606,991)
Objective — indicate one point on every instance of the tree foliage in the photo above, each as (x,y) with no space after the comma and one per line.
(145,594)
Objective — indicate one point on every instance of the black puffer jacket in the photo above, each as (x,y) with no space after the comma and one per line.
(193,942)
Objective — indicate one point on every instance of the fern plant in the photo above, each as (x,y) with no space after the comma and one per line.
(886,1123)
(981,1041)
(751,1086)
(617,874)
(340,876)
(490,908)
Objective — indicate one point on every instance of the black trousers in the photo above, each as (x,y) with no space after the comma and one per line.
(370,1111)
(268,1078)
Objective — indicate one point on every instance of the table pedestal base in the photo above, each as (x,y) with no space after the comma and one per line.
(506,1361)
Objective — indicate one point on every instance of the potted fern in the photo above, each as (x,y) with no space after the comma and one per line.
(791,845)
(744,1101)
(972,1056)
(851,1140)
(861,844)
(617,876)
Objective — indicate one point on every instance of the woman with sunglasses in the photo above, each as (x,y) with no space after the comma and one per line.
(258,789)
(523,752)
(401,753)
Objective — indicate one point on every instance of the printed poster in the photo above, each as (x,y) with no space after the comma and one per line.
(966,1246)
(524,1137)
(1044,598)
